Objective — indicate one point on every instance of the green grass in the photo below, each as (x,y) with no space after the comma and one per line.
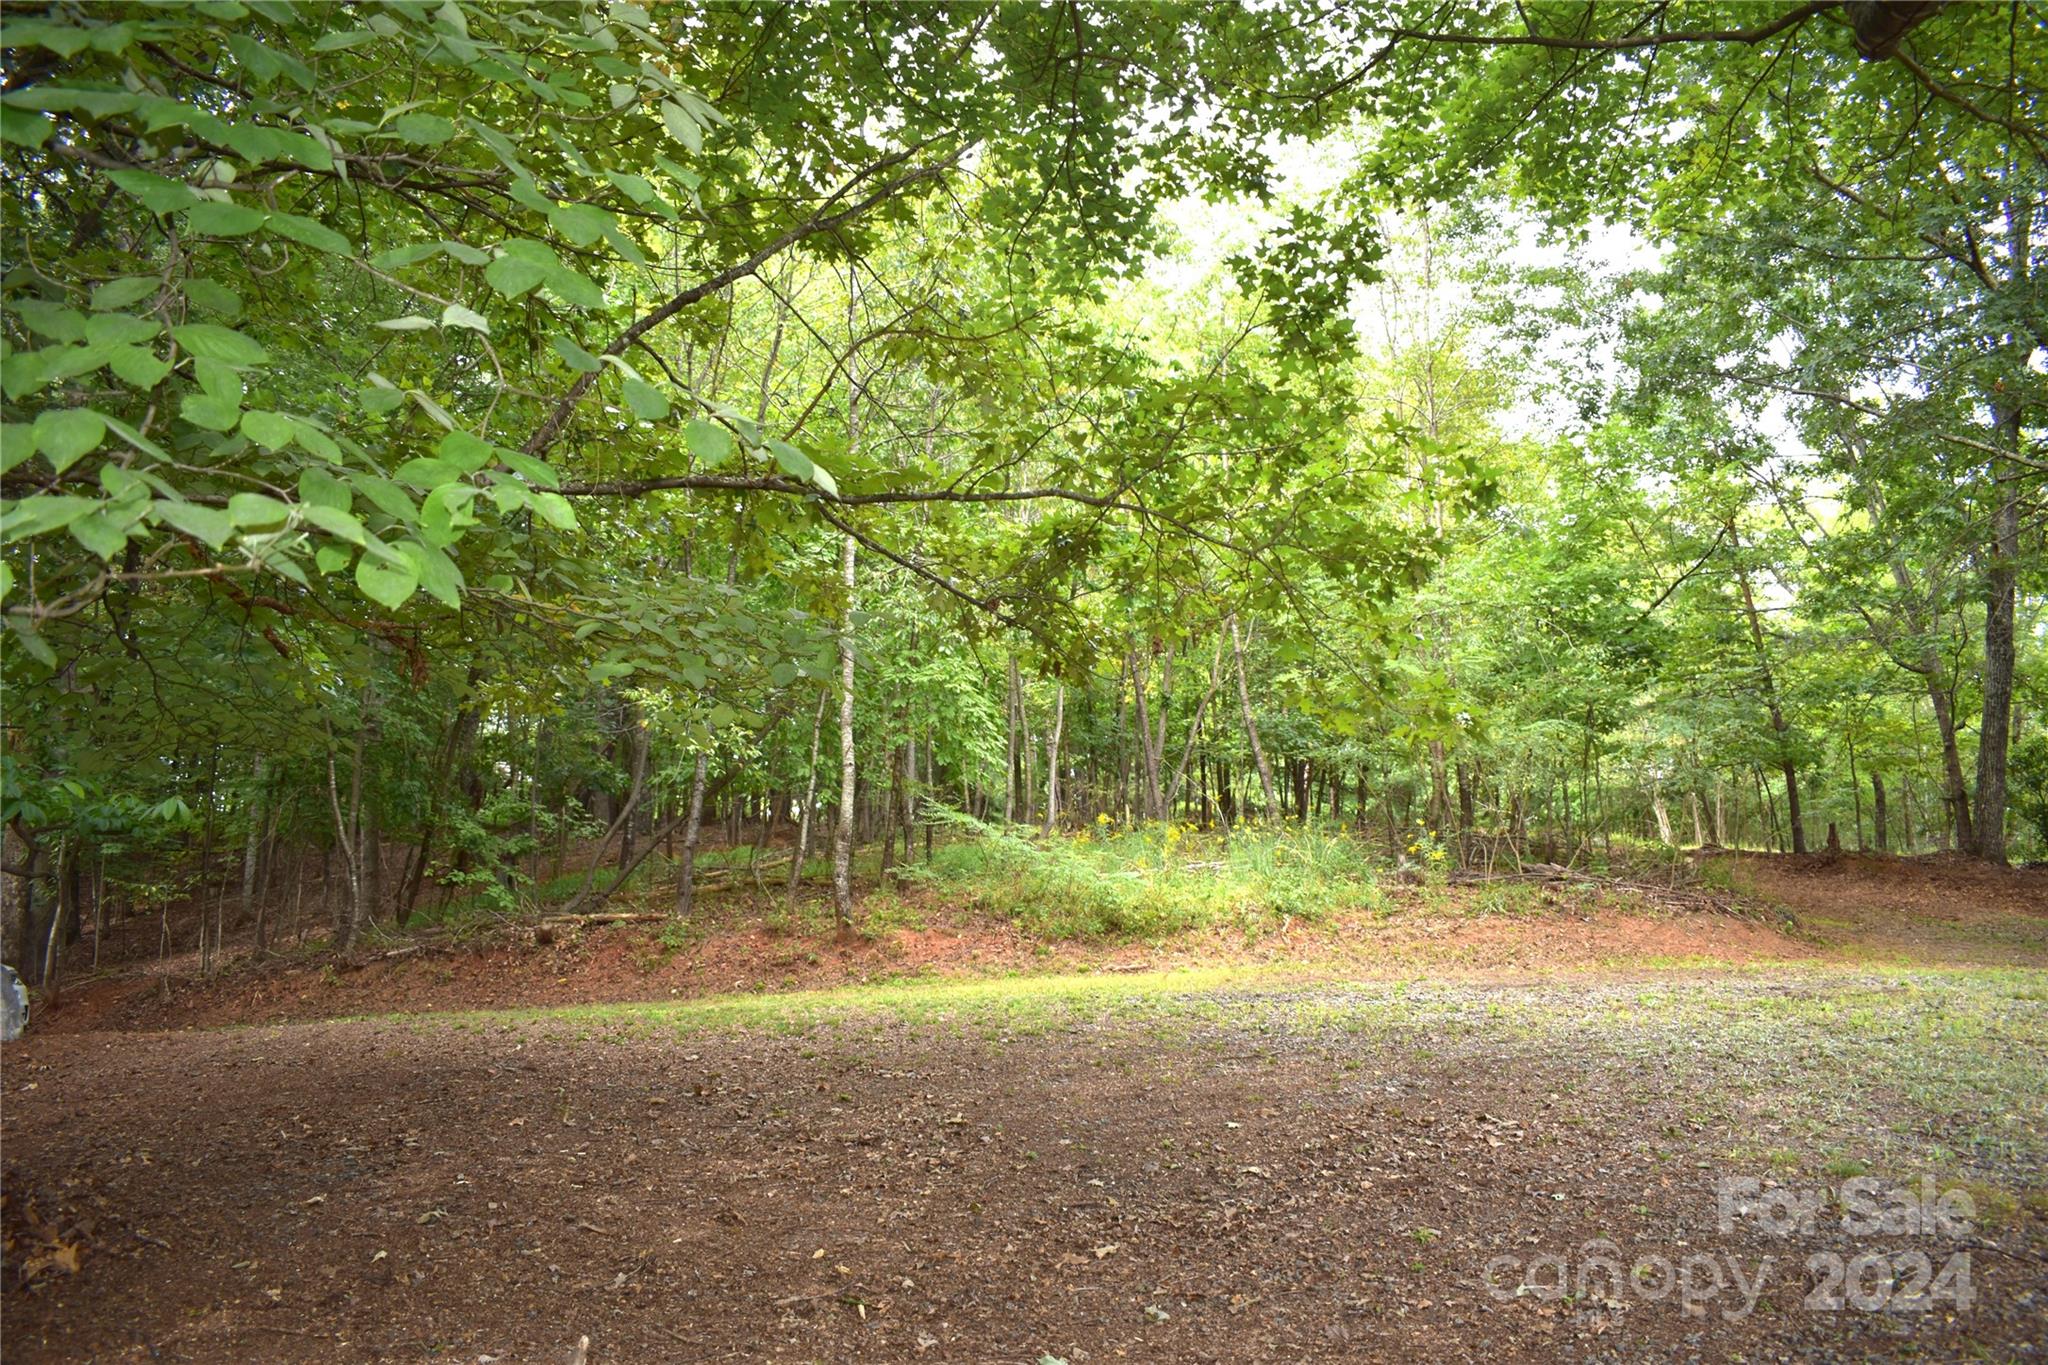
(1153,881)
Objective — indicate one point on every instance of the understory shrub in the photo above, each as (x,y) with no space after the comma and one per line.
(1152,880)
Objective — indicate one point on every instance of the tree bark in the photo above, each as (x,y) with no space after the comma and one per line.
(1148,757)
(1251,728)
(842,834)
(251,845)
(1779,725)
(803,829)
(693,832)
(1180,771)
(1052,757)
(2001,579)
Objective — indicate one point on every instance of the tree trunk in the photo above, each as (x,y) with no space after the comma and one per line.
(636,783)
(2001,578)
(1148,756)
(693,833)
(1012,770)
(1251,728)
(842,834)
(251,846)
(1052,757)
(803,829)
(1180,770)
(1779,725)
(1877,814)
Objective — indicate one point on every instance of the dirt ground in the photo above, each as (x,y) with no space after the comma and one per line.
(1302,1171)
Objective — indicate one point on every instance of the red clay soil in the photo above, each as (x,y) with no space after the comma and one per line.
(1852,907)
(628,962)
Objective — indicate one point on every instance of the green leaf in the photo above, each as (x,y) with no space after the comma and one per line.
(336,523)
(385,582)
(271,430)
(210,341)
(377,399)
(534,471)
(465,452)
(424,130)
(262,144)
(215,412)
(121,293)
(209,525)
(647,402)
(38,648)
(258,511)
(792,461)
(681,126)
(574,289)
(66,435)
(329,558)
(216,219)
(266,64)
(139,367)
(120,329)
(23,128)
(428,472)
(44,512)
(135,439)
(17,444)
(582,224)
(446,513)
(312,232)
(100,534)
(574,356)
(388,498)
(322,489)
(710,443)
(555,511)
(157,194)
(455,315)
(213,297)
(52,320)
(437,573)
(66,40)
(514,277)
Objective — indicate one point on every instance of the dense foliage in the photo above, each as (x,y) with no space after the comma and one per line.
(439,432)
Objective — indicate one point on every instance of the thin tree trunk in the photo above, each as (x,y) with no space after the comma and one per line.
(1148,757)
(842,835)
(1010,758)
(1180,770)
(1052,757)
(1779,725)
(2001,578)
(803,829)
(252,844)
(693,831)
(1251,728)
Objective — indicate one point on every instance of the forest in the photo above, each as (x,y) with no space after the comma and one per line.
(809,495)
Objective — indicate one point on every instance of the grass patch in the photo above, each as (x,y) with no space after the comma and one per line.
(1154,880)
